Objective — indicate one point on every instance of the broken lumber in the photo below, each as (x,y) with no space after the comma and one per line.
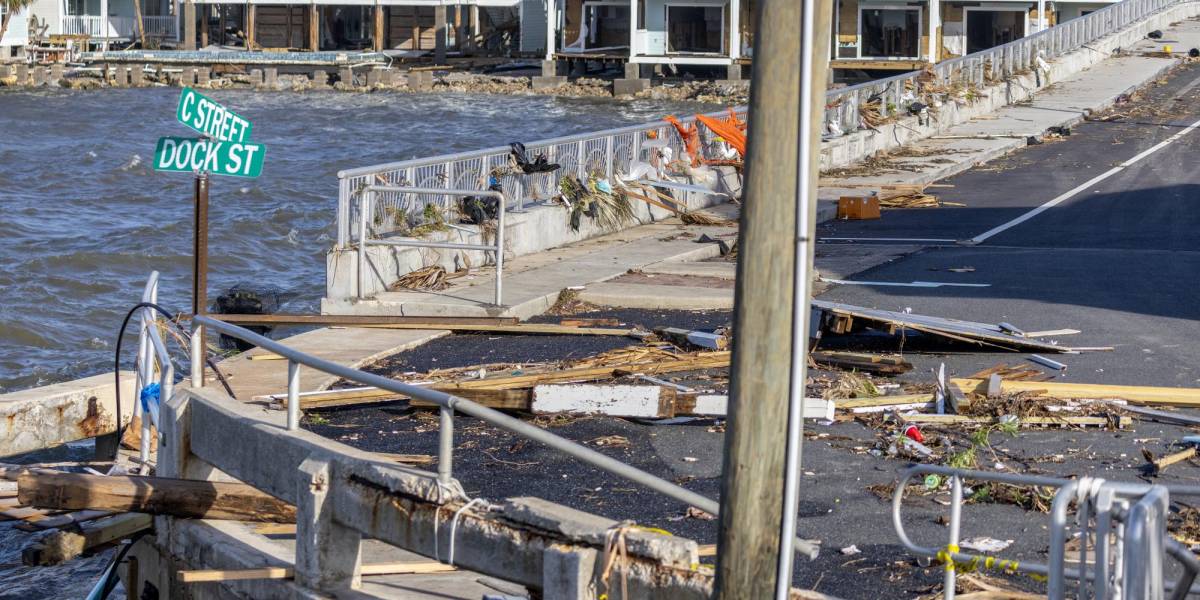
(1158,464)
(1158,396)
(153,495)
(62,546)
(356,320)
(966,420)
(396,568)
(871,363)
(516,329)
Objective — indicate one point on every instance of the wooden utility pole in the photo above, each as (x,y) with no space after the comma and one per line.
(752,489)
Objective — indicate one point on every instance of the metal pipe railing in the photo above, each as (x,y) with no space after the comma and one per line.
(368,199)
(152,356)
(1055,570)
(602,152)
(451,404)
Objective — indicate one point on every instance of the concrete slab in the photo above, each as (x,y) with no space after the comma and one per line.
(355,349)
(723,270)
(532,282)
(53,415)
(658,297)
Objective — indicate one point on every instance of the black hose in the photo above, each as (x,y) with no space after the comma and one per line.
(117,359)
(117,369)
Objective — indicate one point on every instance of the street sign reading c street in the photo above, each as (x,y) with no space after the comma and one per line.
(187,155)
(210,118)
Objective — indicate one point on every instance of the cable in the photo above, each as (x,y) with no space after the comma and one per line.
(117,359)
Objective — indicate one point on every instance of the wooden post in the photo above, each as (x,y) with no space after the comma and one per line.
(205,11)
(439,31)
(380,37)
(458,28)
(752,490)
(314,28)
(251,24)
(189,25)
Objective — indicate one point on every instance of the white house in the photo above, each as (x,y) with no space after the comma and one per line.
(17,34)
(101,22)
(666,32)
(868,34)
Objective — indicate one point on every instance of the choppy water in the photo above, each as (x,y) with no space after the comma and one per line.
(84,219)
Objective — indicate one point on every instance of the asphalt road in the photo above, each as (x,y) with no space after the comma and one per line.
(1117,260)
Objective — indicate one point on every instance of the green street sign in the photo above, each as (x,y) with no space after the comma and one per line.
(210,118)
(188,155)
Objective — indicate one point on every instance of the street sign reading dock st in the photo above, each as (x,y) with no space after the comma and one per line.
(188,155)
(210,118)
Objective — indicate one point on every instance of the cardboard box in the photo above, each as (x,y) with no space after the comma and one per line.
(855,207)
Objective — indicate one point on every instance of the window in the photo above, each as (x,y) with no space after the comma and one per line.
(696,29)
(890,32)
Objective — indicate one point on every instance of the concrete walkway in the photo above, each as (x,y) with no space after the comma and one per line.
(1062,104)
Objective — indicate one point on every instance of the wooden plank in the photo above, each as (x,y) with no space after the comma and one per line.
(395,568)
(153,495)
(644,401)
(963,419)
(61,546)
(1157,396)
(706,360)
(301,319)
(872,363)
(79,516)
(890,65)
(518,329)
(883,401)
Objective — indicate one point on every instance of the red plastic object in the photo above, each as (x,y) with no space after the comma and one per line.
(913,434)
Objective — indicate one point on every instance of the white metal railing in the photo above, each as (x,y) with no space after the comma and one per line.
(896,93)
(603,153)
(152,359)
(372,193)
(159,26)
(102,27)
(448,405)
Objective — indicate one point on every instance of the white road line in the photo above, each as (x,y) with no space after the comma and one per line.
(870,239)
(920,284)
(1085,185)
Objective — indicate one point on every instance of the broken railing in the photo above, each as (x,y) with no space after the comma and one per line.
(895,94)
(449,405)
(602,153)
(1121,528)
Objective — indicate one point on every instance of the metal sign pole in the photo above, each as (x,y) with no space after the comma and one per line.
(200,257)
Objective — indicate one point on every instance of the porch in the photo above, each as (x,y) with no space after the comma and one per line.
(118,28)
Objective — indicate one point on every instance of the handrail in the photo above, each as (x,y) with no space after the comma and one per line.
(449,404)
(367,199)
(152,356)
(605,152)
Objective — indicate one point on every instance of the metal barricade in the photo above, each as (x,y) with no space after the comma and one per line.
(367,201)
(1124,523)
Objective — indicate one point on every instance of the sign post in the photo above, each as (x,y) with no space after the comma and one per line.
(224,149)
